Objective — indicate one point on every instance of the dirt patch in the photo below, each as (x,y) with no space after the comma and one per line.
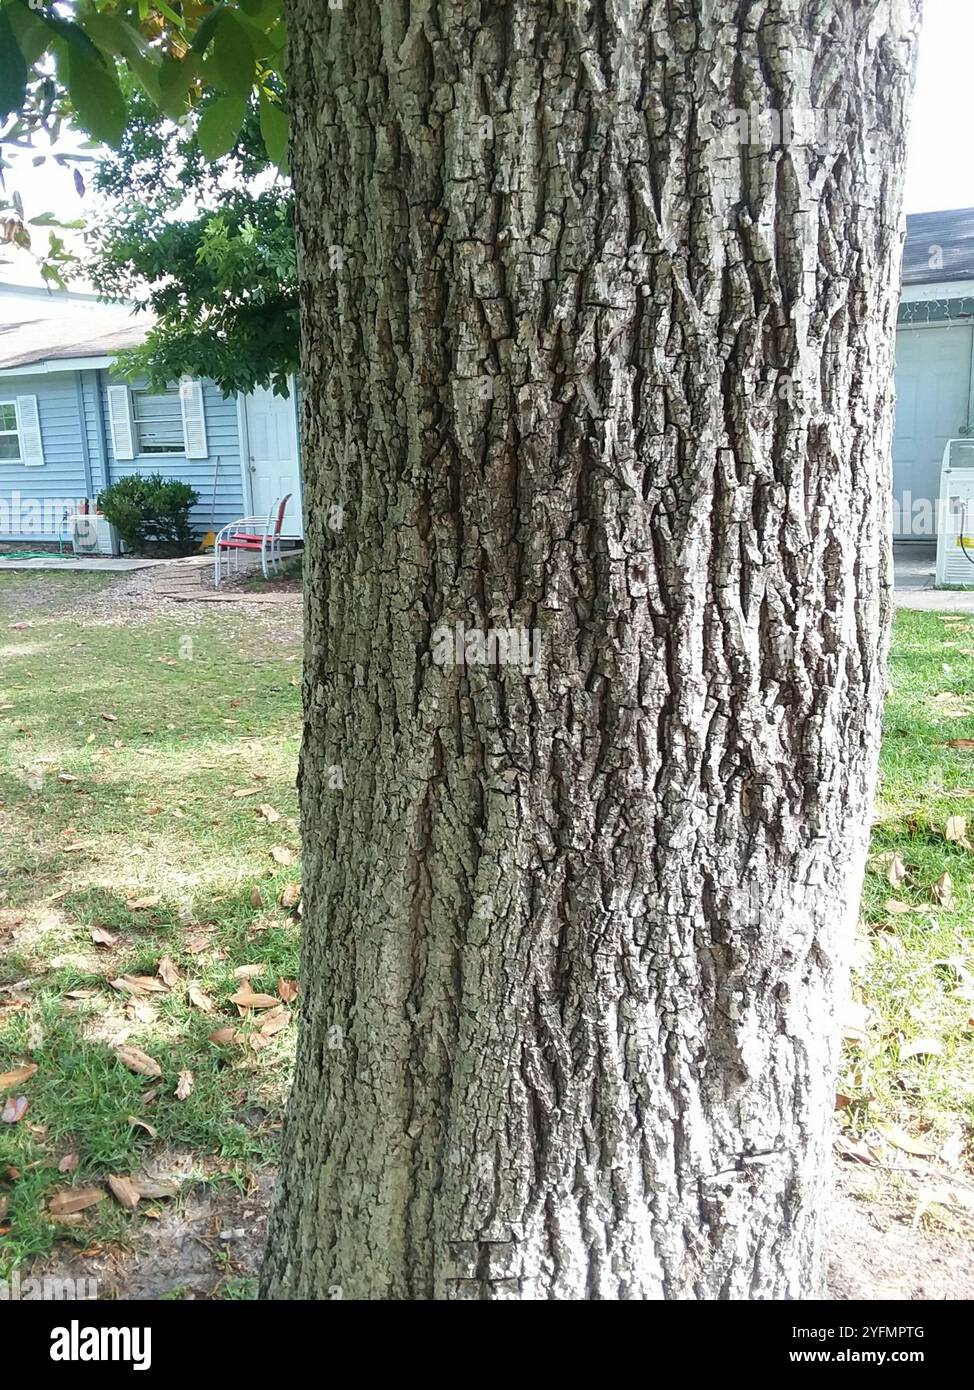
(202,1245)
(877,1249)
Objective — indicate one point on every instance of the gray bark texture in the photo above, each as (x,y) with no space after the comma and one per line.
(594,350)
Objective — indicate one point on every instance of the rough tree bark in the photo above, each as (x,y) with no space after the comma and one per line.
(589,351)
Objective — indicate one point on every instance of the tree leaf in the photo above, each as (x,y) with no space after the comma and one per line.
(96,97)
(124,1191)
(138,1061)
(943,892)
(74,1199)
(274,132)
(246,999)
(184,1086)
(901,1140)
(204,34)
(231,58)
(220,125)
(14,1110)
(168,972)
(199,1000)
(11,1079)
(225,1037)
(13,69)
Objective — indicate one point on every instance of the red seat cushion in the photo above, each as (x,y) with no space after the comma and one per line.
(241,543)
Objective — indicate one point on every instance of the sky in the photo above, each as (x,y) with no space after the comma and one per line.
(940,169)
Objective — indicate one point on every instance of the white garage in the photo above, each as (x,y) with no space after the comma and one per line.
(934,347)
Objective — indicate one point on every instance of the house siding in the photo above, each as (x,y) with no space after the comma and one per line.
(33,498)
(223,461)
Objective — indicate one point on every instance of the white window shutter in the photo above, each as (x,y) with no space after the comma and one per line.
(120,418)
(194,421)
(29,427)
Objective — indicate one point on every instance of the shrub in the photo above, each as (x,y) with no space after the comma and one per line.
(150,510)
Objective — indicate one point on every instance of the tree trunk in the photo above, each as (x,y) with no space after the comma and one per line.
(598,309)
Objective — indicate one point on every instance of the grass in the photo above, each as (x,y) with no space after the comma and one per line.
(914,977)
(98,815)
(120,748)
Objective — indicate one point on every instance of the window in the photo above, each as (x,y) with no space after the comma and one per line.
(9,434)
(158,420)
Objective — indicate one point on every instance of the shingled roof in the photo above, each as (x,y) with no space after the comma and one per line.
(37,326)
(939,246)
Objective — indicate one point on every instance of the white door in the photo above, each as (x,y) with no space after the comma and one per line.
(271,457)
(933,387)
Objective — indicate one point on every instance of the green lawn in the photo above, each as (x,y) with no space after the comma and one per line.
(912,1064)
(123,851)
(120,749)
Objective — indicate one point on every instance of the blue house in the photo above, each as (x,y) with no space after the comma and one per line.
(68,427)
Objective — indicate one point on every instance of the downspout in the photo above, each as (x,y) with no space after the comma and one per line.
(85,454)
(102,432)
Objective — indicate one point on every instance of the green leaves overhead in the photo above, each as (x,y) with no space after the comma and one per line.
(175,54)
(231,61)
(220,125)
(274,130)
(13,69)
(92,84)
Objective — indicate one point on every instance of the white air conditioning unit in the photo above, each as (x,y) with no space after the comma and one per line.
(93,535)
(955,523)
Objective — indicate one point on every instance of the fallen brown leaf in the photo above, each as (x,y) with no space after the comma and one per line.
(68,1163)
(168,972)
(138,1061)
(256,900)
(137,904)
(150,1130)
(73,1199)
(943,892)
(288,990)
(268,812)
(246,999)
(955,829)
(101,937)
(291,895)
(154,1188)
(199,1000)
(17,1077)
(14,1110)
(184,1087)
(248,972)
(138,984)
(282,855)
(901,1140)
(224,1037)
(274,1021)
(124,1191)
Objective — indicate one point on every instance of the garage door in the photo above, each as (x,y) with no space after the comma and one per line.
(933,385)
